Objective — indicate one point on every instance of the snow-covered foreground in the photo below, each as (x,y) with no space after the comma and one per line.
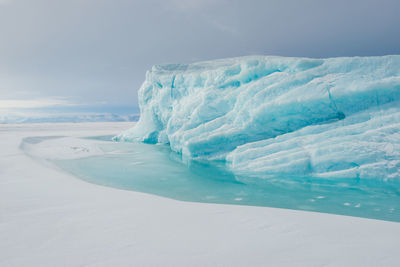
(50,218)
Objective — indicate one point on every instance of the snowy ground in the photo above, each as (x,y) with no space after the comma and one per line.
(50,218)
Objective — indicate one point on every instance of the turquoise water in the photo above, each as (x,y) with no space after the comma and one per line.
(156,170)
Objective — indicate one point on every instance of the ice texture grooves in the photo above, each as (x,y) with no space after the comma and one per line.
(335,117)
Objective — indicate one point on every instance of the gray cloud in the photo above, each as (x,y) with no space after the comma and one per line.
(98,50)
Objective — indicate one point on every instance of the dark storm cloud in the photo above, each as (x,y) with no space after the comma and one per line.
(98,50)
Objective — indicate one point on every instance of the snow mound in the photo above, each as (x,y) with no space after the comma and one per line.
(275,115)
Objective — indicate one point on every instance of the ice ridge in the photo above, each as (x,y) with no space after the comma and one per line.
(335,117)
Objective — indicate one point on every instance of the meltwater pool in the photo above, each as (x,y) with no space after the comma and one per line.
(155,169)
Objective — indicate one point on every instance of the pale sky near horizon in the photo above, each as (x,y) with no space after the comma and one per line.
(97,51)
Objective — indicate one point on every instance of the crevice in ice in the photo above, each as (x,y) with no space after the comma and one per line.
(340,114)
(173,81)
(159,84)
(172,86)
(152,138)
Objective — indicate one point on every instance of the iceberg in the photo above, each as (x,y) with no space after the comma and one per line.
(268,115)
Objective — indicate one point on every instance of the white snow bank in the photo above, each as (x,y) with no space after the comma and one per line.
(68,148)
(48,218)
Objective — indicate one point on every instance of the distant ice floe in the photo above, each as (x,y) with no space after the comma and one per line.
(40,117)
(335,117)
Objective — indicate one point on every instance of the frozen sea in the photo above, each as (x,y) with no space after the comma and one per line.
(48,217)
(304,134)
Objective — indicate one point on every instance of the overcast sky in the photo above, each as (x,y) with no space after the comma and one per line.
(97,51)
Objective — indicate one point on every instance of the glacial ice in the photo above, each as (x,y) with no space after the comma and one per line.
(263,115)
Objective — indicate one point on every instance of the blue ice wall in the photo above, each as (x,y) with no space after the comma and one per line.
(277,115)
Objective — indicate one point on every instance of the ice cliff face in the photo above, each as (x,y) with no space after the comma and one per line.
(276,115)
